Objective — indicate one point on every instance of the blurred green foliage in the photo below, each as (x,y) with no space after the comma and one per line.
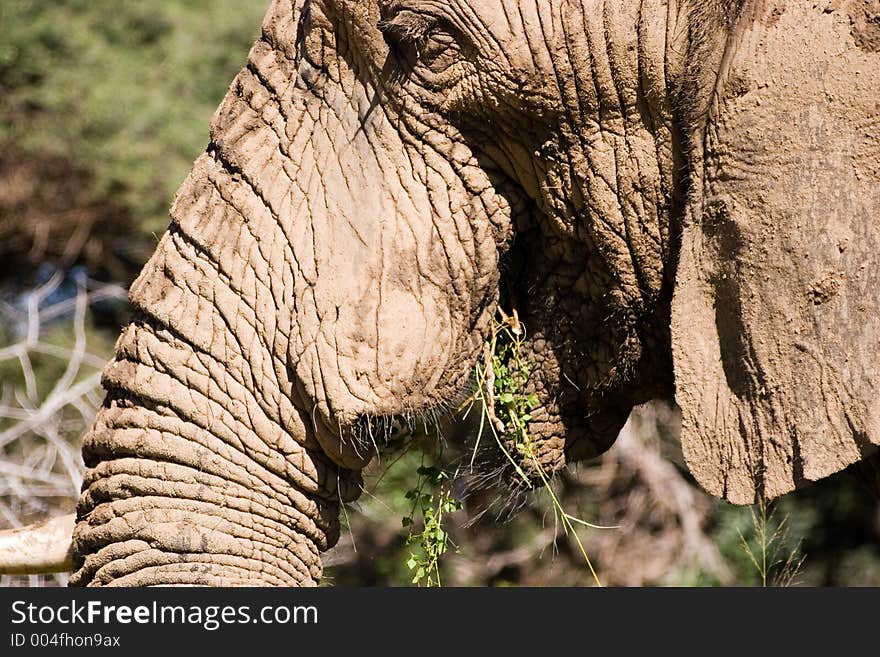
(122,88)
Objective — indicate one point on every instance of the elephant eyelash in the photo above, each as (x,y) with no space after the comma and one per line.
(408,28)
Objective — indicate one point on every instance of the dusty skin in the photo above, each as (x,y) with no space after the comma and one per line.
(680,200)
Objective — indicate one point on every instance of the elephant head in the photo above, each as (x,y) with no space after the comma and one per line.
(678,199)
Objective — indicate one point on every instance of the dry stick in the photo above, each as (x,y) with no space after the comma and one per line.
(69,456)
(44,547)
(63,393)
(35,298)
(23,472)
(671,492)
(79,347)
(48,409)
(104,292)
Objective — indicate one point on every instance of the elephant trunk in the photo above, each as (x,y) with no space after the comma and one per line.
(301,297)
(201,470)
(209,464)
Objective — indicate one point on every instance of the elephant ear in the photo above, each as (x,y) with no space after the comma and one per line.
(776,312)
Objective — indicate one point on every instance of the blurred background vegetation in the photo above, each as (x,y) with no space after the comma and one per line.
(104,104)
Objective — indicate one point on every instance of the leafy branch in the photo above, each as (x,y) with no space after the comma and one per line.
(502,376)
(431,500)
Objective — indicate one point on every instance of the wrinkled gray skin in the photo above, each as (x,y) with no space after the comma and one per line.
(382,174)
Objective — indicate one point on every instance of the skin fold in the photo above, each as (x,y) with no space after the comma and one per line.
(678,199)
(776,320)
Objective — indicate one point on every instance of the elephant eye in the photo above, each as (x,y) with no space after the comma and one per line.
(407,28)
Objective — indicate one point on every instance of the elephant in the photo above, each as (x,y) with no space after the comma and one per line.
(678,199)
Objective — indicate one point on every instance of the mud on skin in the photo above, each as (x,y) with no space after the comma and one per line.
(675,179)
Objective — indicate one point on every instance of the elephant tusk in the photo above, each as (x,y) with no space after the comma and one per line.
(44,547)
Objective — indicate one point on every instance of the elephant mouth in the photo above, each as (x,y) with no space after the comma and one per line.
(465,444)
(380,431)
